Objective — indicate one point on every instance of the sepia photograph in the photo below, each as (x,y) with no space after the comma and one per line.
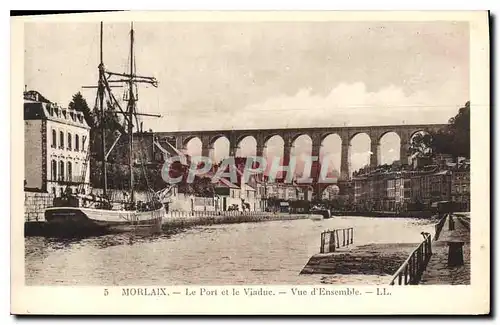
(331,153)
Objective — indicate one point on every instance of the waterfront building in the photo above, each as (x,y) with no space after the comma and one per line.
(401,188)
(460,185)
(56,146)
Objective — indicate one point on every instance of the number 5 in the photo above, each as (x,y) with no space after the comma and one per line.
(106,292)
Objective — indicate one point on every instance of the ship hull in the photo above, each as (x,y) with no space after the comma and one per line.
(69,221)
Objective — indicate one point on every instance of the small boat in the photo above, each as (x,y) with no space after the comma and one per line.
(323,212)
(80,214)
(316,217)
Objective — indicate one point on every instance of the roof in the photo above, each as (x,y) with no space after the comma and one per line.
(225,183)
(249,187)
(34,110)
(35,96)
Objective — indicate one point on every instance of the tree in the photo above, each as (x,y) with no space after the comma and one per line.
(454,138)
(112,126)
(79,103)
(421,145)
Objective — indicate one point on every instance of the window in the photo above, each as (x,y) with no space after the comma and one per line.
(54,139)
(77,171)
(70,171)
(61,170)
(77,142)
(61,140)
(69,141)
(53,175)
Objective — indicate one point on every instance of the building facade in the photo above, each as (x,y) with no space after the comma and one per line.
(56,147)
(404,188)
(460,186)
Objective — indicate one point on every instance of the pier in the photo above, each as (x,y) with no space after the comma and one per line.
(342,255)
(450,260)
(440,259)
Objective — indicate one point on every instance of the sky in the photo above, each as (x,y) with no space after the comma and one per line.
(223,75)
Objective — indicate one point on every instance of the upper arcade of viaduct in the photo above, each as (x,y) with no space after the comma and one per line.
(289,135)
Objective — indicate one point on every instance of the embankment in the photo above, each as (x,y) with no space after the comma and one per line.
(385,214)
(178,220)
(184,220)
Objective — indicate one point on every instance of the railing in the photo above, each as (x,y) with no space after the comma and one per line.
(330,239)
(439,226)
(410,272)
(464,221)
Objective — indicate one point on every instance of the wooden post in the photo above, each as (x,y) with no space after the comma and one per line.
(322,244)
(411,265)
(419,258)
(352,235)
(332,243)
(337,235)
(415,269)
(348,233)
(429,244)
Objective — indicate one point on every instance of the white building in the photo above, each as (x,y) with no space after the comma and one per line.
(56,146)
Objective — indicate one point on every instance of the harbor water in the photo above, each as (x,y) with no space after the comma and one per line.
(235,254)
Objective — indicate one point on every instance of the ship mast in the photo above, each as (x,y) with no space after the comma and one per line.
(100,91)
(108,80)
(131,108)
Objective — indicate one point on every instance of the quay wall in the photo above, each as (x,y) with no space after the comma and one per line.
(387,214)
(35,204)
(179,220)
(199,218)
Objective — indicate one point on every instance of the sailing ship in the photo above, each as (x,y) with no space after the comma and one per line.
(79,213)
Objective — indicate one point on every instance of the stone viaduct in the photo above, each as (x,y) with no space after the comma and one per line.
(317,134)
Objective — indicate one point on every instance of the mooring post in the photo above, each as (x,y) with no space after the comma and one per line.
(352,235)
(337,235)
(455,254)
(451,223)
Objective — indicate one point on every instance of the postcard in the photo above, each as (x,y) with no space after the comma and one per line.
(250,163)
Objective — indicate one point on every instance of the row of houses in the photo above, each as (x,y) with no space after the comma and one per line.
(257,193)
(413,188)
